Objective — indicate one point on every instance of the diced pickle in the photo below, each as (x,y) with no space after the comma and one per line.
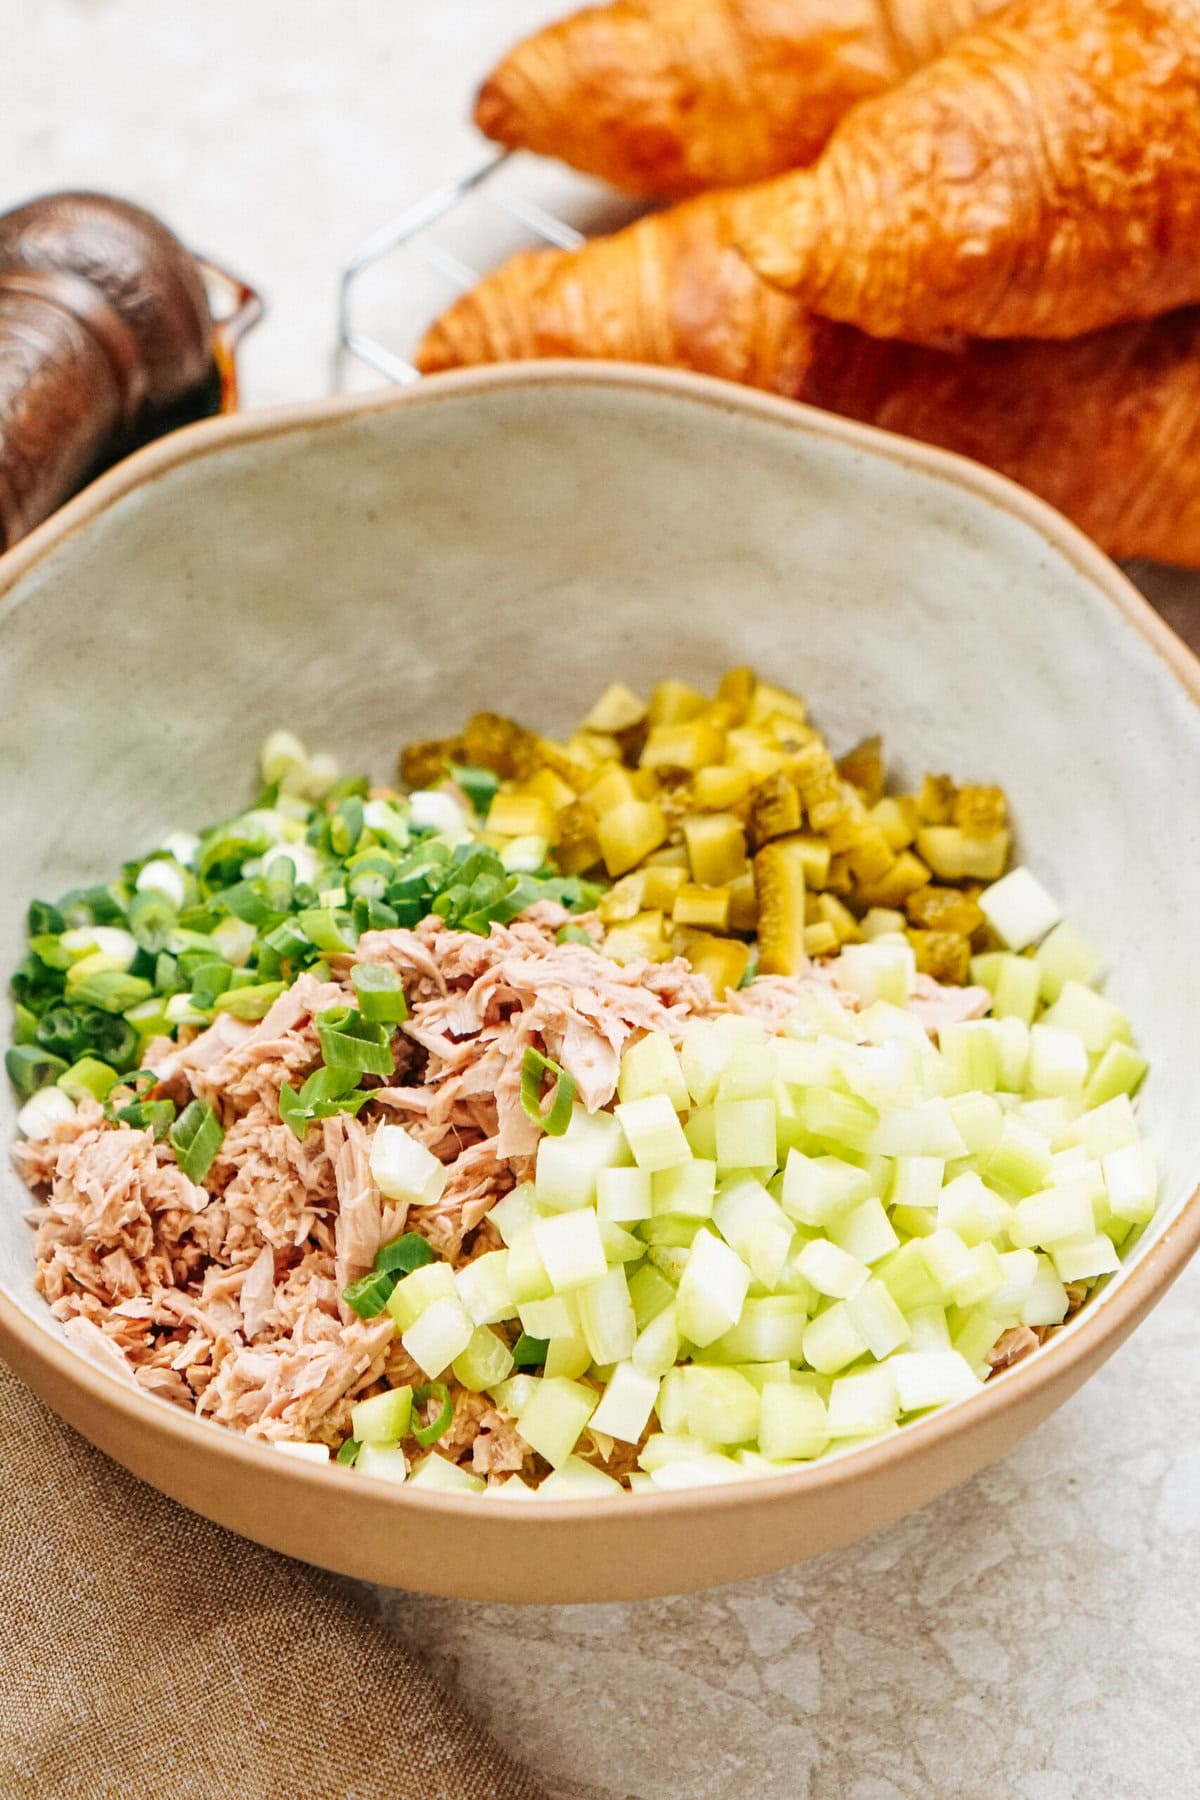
(831,911)
(723,960)
(743,903)
(945,955)
(522,815)
(905,876)
(716,846)
(494,742)
(820,939)
(779,878)
(737,686)
(674,701)
(703,906)
(933,908)
(774,810)
(661,885)
(578,846)
(935,802)
(954,856)
(425,764)
(690,746)
(980,812)
(617,709)
(629,832)
(613,786)
(896,819)
(863,766)
(720,787)
(624,899)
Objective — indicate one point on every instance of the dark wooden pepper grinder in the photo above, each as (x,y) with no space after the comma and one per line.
(106,337)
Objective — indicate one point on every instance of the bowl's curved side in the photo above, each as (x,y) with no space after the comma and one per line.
(576,516)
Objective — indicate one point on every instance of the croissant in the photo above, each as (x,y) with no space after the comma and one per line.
(1041,178)
(1106,428)
(670,97)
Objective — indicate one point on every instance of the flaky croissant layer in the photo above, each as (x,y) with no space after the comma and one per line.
(1106,428)
(1041,178)
(670,97)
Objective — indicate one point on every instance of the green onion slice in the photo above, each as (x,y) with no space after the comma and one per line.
(196,1137)
(422,1396)
(348,1041)
(370,1293)
(327,1091)
(30,1067)
(348,1453)
(379,993)
(88,1077)
(404,1254)
(479,785)
(529,1352)
(533,1067)
(111,990)
(573,934)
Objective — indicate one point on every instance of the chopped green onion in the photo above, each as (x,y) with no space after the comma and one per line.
(370,1293)
(379,993)
(30,1067)
(152,919)
(279,883)
(573,934)
(90,906)
(404,1254)
(329,929)
(208,982)
(348,1453)
(254,1000)
(112,990)
(196,1137)
(348,1041)
(88,1078)
(327,1091)
(479,785)
(44,920)
(25,1025)
(346,825)
(529,1352)
(148,1115)
(533,1067)
(429,1434)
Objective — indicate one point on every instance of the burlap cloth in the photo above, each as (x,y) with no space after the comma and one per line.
(148,1655)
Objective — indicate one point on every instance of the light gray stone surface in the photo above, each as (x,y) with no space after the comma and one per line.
(1034,1635)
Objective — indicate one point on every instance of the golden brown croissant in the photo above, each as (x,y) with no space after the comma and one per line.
(1107,428)
(1041,178)
(669,97)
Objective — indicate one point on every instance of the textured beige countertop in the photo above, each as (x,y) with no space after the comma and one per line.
(1032,1636)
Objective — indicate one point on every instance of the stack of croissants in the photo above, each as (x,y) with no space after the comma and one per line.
(971,223)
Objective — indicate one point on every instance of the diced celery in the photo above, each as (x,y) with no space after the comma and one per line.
(701,1133)
(844,1119)
(409,1298)
(878,1319)
(816,1189)
(1119,1071)
(927,1328)
(914,1221)
(384,1418)
(927,1129)
(664,1447)
(978,1331)
(1131,1180)
(657,1347)
(577,1480)
(606,1317)
(620,1246)
(925,1378)
(1054,1216)
(1090,1016)
(759,1374)
(916,1181)
(528,1278)
(1019,1272)
(442,1333)
(1082,1259)
(554,1416)
(832,1340)
(949,1262)
(792,1422)
(685,1191)
(568,1166)
(702,1471)
(979,1120)
(650,1292)
(830,1270)
(1017,989)
(801,1062)
(623,1196)
(1047,1302)
(515,1210)
(1055,1119)
(404,1169)
(712,1291)
(382,1462)
(511,1488)
(1018,909)
(880,970)
(651,1067)
(1057,1061)
(745,1131)
(1012,1053)
(1066,955)
(1109,1127)
(304,1452)
(984,969)
(626,1404)
(986,1280)
(755,1226)
(863,1403)
(555,1317)
(570,1248)
(702,1059)
(672,1261)
(483,1287)
(907,1278)
(818,1014)
(770,1329)
(865,1232)
(720,1405)
(653,1133)
(513,1395)
(1020,1161)
(669,1229)
(972,1210)
(434,1471)
(568,1357)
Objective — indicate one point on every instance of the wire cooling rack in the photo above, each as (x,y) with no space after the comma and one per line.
(405,273)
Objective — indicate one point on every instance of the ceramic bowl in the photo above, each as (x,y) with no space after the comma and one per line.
(370,570)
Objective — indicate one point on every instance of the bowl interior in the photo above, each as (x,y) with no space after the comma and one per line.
(514,542)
